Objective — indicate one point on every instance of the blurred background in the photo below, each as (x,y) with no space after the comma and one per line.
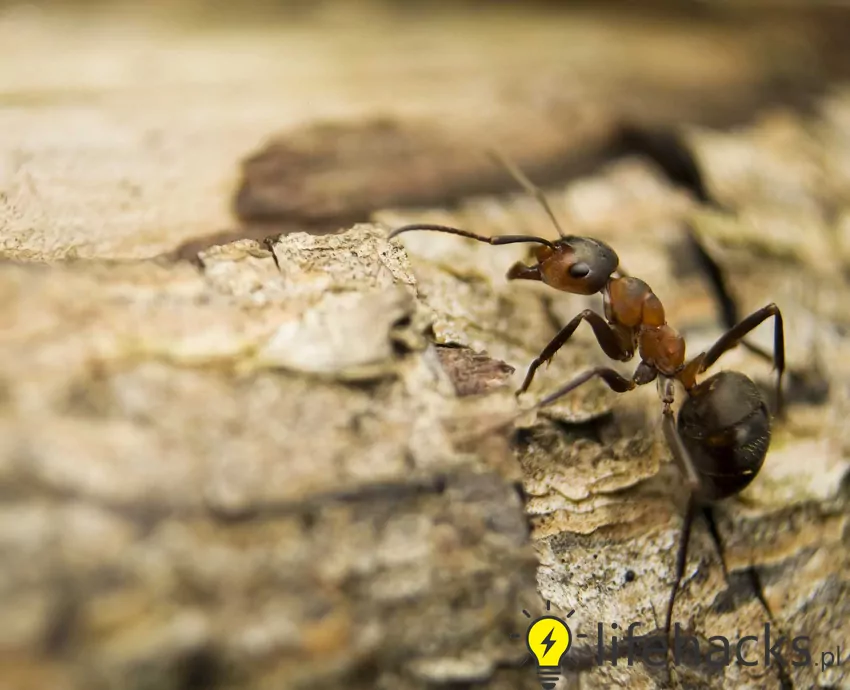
(176,94)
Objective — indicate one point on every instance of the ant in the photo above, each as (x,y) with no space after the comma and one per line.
(722,433)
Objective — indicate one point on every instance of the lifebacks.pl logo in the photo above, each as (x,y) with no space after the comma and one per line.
(549,638)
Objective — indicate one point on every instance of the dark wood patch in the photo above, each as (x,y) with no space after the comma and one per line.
(473,373)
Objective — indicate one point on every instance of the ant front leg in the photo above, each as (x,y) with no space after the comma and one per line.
(613,342)
(614,381)
(734,336)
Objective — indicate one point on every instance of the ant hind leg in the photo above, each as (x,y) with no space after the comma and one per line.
(681,560)
(717,280)
(734,336)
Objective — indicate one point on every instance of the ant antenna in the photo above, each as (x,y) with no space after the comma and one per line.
(526,184)
(499,239)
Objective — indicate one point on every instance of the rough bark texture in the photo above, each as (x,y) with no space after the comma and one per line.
(278,468)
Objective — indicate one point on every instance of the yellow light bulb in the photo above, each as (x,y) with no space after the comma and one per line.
(548,639)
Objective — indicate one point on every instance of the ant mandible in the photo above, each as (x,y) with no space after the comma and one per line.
(722,433)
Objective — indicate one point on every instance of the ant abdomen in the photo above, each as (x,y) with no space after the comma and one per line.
(725,426)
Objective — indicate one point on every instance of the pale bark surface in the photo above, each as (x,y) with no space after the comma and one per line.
(272,468)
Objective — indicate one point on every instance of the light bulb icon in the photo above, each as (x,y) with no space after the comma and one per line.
(548,639)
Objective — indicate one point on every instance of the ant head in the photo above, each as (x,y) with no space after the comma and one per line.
(580,265)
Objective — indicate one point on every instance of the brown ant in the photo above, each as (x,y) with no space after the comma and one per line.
(722,433)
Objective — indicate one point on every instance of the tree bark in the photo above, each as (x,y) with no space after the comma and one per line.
(296,462)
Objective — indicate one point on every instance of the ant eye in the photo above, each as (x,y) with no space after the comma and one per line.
(579,270)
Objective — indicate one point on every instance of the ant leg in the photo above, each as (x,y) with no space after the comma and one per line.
(711,521)
(497,240)
(681,559)
(683,459)
(612,379)
(607,337)
(734,335)
(717,280)
(527,185)
(680,453)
